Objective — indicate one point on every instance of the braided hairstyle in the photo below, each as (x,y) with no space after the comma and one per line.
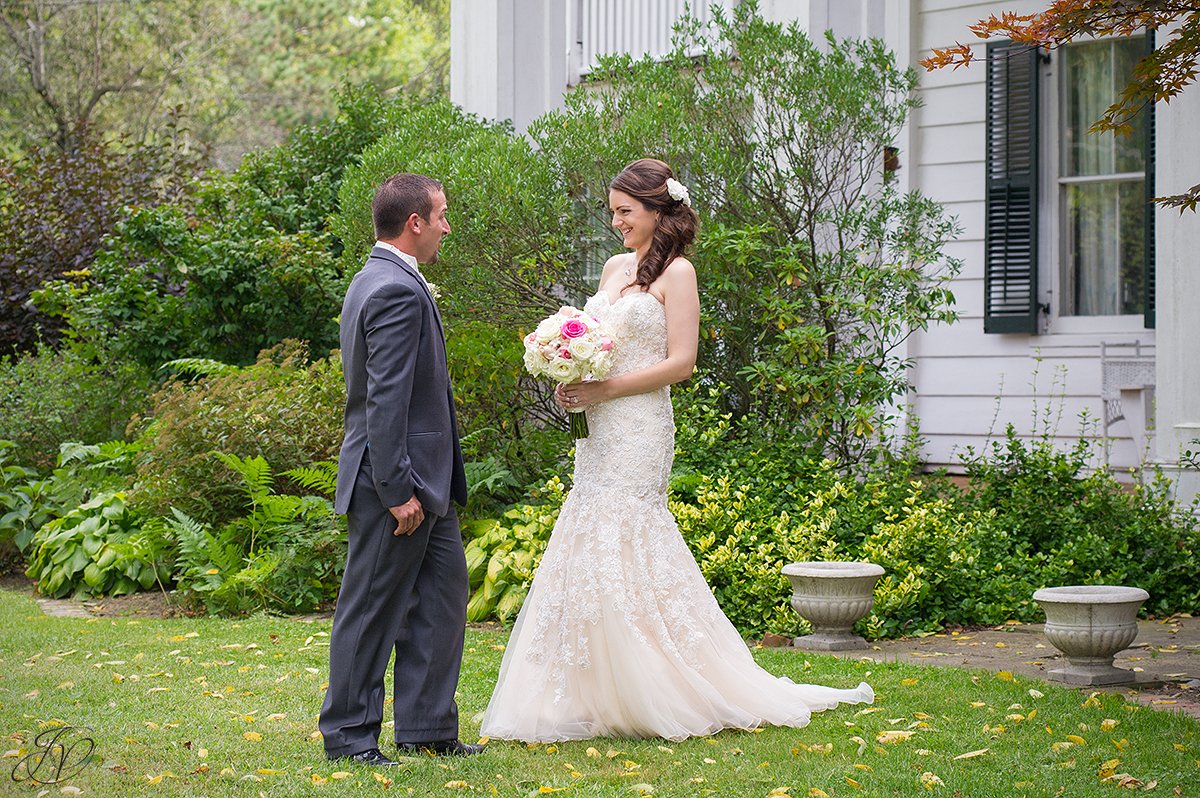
(646,181)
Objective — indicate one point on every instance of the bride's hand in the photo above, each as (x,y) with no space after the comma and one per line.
(579,395)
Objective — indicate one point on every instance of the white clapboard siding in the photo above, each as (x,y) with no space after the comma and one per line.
(637,27)
(967,385)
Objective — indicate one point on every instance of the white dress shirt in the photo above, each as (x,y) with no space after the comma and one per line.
(409,259)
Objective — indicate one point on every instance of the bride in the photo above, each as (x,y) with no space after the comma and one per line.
(620,635)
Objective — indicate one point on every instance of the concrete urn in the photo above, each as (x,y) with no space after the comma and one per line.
(1089,624)
(832,596)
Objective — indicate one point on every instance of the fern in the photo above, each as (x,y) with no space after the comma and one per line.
(199,367)
(194,559)
(321,477)
(255,472)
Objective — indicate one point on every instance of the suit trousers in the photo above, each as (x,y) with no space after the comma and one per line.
(405,593)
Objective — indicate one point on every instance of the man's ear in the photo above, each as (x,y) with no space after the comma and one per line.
(414,222)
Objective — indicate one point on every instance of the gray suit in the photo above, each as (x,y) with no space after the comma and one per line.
(405,592)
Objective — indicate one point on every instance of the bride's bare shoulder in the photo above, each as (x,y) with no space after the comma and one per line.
(618,262)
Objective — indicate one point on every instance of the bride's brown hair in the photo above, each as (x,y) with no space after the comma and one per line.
(646,181)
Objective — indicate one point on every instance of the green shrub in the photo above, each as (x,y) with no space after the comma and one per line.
(17,496)
(56,208)
(502,554)
(98,548)
(1070,523)
(509,419)
(284,408)
(50,396)
(287,553)
(247,263)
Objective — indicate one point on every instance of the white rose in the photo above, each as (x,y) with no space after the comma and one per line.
(601,363)
(563,370)
(548,329)
(534,362)
(583,348)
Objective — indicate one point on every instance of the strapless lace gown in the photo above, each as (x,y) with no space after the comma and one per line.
(620,634)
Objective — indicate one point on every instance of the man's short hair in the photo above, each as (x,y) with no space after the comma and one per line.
(400,197)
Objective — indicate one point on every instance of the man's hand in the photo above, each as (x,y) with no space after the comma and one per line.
(408,516)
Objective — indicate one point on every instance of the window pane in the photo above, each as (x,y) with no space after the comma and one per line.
(1094,73)
(1105,239)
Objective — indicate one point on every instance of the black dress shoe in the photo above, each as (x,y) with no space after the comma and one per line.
(372,757)
(453,747)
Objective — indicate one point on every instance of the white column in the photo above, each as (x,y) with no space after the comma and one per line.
(508,58)
(1177,416)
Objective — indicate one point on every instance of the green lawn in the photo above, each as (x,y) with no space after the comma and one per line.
(209,707)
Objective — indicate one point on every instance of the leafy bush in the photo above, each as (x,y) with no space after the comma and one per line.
(16,505)
(284,408)
(99,548)
(286,553)
(247,264)
(56,208)
(815,266)
(502,554)
(509,419)
(49,396)
(1073,524)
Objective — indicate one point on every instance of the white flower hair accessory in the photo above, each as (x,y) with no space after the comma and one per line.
(678,192)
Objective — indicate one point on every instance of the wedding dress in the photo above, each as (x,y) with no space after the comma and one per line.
(620,635)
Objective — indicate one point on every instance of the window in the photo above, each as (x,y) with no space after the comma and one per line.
(1101,185)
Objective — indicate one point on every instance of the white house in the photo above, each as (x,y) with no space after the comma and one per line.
(1074,297)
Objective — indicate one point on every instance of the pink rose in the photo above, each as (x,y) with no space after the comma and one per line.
(574,328)
(606,345)
(565,354)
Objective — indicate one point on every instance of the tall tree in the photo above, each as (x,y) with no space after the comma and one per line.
(241,73)
(1159,76)
(108,64)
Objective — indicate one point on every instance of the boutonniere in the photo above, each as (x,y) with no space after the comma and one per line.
(434,291)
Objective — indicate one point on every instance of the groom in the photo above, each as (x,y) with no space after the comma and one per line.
(405,585)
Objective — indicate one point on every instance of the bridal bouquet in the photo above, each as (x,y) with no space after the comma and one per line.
(568,347)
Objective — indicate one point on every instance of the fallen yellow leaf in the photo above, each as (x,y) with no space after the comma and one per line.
(252,736)
(893,736)
(1075,738)
(457,785)
(1108,724)
(1005,676)
(817,792)
(973,754)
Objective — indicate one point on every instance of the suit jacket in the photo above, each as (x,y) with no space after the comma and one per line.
(399,404)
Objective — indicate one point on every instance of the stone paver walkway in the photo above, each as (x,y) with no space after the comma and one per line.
(1165,657)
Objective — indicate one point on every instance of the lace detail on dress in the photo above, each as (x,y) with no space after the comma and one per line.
(620,634)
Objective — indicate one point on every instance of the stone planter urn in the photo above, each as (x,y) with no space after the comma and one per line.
(1089,625)
(832,596)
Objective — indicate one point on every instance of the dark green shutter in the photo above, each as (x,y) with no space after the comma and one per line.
(1010,278)
(1151,207)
